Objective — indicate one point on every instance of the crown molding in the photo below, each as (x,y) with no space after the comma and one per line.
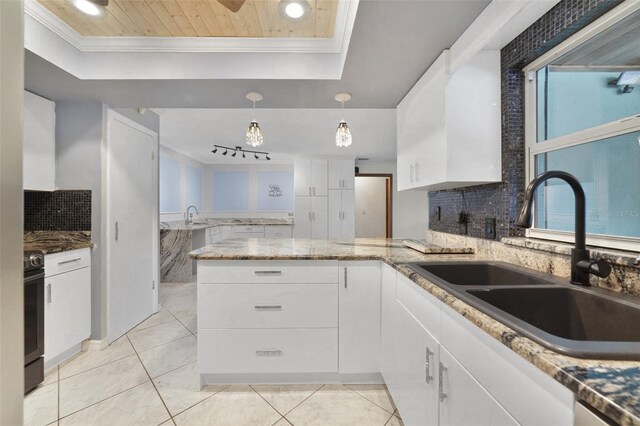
(345,18)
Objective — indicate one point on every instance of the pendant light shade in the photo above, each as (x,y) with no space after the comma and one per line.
(343,134)
(254,132)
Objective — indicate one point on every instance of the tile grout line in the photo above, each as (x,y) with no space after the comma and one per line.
(200,402)
(268,403)
(97,366)
(151,380)
(373,402)
(300,403)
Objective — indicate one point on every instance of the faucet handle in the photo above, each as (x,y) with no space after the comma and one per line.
(600,268)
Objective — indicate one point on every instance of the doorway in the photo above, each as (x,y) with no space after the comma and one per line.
(373,205)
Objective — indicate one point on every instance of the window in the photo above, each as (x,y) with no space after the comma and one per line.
(230,191)
(169,185)
(194,187)
(583,117)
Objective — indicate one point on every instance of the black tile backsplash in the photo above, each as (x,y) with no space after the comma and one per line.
(63,210)
(502,200)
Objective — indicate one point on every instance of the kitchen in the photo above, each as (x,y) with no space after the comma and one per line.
(199,238)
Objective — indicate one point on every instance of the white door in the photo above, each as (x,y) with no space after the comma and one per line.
(319,177)
(348,213)
(371,207)
(302,218)
(319,217)
(132,205)
(359,301)
(334,221)
(464,401)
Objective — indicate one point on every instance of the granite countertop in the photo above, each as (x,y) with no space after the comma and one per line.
(612,387)
(176,225)
(57,241)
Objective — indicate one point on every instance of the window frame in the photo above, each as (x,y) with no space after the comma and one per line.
(603,131)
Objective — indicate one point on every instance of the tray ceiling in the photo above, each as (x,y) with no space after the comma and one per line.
(197,18)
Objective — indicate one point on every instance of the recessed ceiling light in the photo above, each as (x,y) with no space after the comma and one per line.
(88,7)
(294,10)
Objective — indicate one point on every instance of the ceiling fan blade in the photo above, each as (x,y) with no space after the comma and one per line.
(232,5)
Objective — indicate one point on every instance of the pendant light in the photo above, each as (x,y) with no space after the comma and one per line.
(254,133)
(343,134)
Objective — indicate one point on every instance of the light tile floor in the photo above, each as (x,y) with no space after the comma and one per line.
(149,377)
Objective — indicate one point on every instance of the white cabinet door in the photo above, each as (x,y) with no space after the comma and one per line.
(389,328)
(302,177)
(417,366)
(319,177)
(334,178)
(67,311)
(348,174)
(348,213)
(463,400)
(341,174)
(302,218)
(335,214)
(359,344)
(39,150)
(319,217)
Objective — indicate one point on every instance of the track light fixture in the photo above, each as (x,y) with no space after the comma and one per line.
(237,149)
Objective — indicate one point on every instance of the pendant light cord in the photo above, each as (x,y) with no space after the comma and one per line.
(342,102)
(254,110)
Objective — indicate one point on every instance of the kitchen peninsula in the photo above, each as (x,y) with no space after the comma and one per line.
(351,311)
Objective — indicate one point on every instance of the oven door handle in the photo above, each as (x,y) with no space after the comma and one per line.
(34,277)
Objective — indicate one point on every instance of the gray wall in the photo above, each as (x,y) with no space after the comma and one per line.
(79,160)
(410,208)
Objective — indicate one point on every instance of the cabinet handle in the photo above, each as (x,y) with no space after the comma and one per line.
(314,190)
(417,172)
(64,262)
(310,217)
(345,277)
(429,354)
(441,393)
(313,214)
(411,166)
(268,307)
(49,293)
(116,231)
(309,191)
(262,352)
(263,273)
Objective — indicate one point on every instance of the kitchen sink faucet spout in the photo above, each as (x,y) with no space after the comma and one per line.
(188,217)
(581,263)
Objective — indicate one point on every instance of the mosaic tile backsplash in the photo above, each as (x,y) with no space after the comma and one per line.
(65,210)
(502,201)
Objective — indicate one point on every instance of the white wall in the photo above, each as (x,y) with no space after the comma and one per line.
(11,214)
(410,208)
(207,186)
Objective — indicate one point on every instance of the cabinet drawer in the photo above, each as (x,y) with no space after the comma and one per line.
(267,272)
(58,263)
(267,306)
(216,230)
(245,235)
(277,231)
(422,305)
(268,351)
(248,229)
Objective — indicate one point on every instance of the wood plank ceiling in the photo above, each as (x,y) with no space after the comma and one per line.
(196,18)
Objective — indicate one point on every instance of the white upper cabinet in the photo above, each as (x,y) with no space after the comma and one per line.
(449,125)
(39,149)
(310,177)
(342,174)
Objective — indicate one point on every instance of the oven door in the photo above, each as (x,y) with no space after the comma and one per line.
(33,316)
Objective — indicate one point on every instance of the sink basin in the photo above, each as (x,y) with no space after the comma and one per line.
(480,274)
(582,322)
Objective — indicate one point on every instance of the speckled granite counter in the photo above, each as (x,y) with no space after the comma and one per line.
(209,223)
(176,241)
(612,387)
(57,241)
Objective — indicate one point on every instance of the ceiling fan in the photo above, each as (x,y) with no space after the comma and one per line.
(232,5)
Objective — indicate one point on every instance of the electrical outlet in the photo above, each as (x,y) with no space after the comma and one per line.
(490,228)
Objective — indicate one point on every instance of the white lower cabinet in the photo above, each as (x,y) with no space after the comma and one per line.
(67,308)
(359,317)
(463,401)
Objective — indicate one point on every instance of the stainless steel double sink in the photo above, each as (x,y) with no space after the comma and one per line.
(583,322)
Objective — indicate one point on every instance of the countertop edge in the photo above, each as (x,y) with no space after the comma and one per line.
(521,345)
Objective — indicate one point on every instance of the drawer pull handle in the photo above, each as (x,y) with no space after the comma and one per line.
(269,353)
(49,293)
(268,307)
(429,354)
(441,393)
(268,272)
(64,262)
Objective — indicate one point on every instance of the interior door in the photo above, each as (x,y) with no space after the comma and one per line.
(132,205)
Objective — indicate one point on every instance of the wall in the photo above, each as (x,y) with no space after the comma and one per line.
(410,217)
(207,186)
(371,207)
(80,128)
(11,234)
(503,200)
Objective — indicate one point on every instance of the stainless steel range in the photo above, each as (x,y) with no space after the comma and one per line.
(33,263)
